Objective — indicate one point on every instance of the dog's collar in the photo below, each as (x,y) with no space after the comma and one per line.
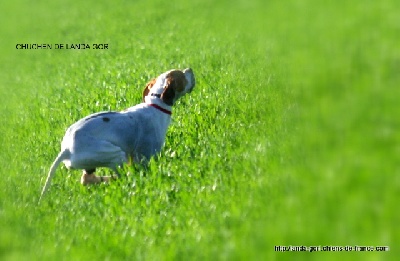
(156,94)
(154,100)
(160,108)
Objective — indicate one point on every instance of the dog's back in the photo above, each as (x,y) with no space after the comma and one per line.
(107,139)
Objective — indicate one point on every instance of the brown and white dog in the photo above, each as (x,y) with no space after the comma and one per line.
(110,139)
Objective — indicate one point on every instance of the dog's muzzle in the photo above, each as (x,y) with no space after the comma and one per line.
(189,75)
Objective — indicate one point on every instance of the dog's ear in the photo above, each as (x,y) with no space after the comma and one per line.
(148,87)
(176,82)
(168,95)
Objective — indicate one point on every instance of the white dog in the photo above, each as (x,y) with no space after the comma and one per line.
(109,139)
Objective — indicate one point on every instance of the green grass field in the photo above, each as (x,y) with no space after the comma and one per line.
(291,136)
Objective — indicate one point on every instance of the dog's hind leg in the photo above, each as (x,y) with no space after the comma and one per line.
(112,177)
(117,174)
(88,177)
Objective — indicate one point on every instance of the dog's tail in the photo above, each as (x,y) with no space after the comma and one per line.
(63,155)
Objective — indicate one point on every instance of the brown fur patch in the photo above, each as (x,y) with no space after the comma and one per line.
(176,82)
(149,85)
(168,96)
(177,79)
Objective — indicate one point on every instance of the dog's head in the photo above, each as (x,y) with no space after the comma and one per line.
(171,85)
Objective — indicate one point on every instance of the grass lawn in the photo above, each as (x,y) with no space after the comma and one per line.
(290,138)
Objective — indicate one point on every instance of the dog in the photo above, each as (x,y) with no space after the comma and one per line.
(110,139)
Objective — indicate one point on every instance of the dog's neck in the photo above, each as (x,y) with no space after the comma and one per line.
(156,102)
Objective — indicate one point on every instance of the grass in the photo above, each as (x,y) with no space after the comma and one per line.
(289,138)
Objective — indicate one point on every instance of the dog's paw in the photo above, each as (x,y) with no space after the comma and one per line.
(107,179)
(88,179)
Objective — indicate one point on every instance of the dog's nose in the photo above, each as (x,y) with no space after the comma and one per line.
(188,70)
(189,74)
